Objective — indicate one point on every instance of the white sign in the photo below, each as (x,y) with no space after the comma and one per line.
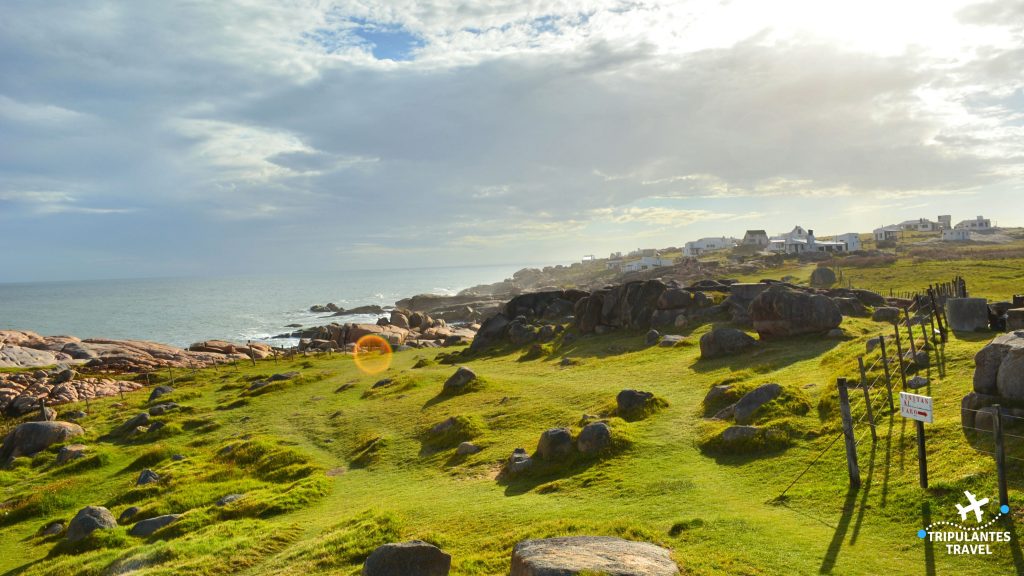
(916,407)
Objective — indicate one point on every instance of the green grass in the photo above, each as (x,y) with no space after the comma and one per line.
(327,476)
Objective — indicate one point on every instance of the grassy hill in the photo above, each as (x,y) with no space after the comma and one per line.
(330,467)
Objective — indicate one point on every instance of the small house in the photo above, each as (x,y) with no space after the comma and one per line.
(887,233)
(978,224)
(705,245)
(755,238)
(851,239)
(956,235)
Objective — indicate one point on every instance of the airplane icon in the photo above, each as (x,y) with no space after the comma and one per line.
(975,506)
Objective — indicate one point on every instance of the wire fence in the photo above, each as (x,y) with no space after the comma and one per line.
(913,349)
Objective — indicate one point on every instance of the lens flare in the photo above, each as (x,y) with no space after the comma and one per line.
(372,354)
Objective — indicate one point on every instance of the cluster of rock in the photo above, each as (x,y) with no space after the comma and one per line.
(558,445)
(542,557)
(339,311)
(642,305)
(466,307)
(998,379)
(22,349)
(22,392)
(528,317)
(402,328)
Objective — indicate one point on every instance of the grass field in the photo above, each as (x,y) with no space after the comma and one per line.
(331,467)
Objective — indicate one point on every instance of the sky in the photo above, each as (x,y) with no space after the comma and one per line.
(152,138)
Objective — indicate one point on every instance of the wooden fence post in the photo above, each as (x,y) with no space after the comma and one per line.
(922,458)
(899,356)
(997,430)
(867,398)
(252,355)
(910,334)
(888,376)
(851,446)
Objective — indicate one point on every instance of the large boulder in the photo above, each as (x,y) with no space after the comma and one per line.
(588,312)
(145,528)
(823,277)
(31,437)
(570,555)
(999,367)
(415,558)
(595,438)
(555,444)
(491,332)
(752,401)
(967,314)
(71,452)
(782,311)
(88,520)
(724,342)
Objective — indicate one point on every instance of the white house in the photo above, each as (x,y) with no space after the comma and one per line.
(798,241)
(920,225)
(704,245)
(886,233)
(646,263)
(851,239)
(975,225)
(956,235)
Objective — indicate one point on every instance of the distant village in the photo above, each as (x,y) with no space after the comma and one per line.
(800,240)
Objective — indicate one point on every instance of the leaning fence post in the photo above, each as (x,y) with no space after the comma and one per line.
(899,356)
(910,334)
(867,398)
(851,446)
(252,354)
(997,430)
(888,376)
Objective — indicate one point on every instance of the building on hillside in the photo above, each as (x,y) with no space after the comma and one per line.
(851,239)
(646,263)
(799,241)
(919,225)
(613,264)
(945,222)
(887,233)
(978,224)
(755,238)
(956,235)
(705,245)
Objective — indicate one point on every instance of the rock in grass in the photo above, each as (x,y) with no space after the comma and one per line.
(592,554)
(635,404)
(161,409)
(71,452)
(724,342)
(782,311)
(147,476)
(88,520)
(518,462)
(595,438)
(671,340)
(52,529)
(74,415)
(652,337)
(888,314)
(225,500)
(160,391)
(467,448)
(555,445)
(917,382)
(415,558)
(32,437)
(459,381)
(127,515)
(141,419)
(717,394)
(284,376)
(147,527)
(752,401)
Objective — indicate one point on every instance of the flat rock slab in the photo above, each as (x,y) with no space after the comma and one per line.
(602,554)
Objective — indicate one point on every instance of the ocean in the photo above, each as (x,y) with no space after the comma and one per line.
(180,311)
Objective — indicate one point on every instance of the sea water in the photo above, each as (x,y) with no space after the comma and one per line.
(181,311)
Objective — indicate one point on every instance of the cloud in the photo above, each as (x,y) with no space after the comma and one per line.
(510,127)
